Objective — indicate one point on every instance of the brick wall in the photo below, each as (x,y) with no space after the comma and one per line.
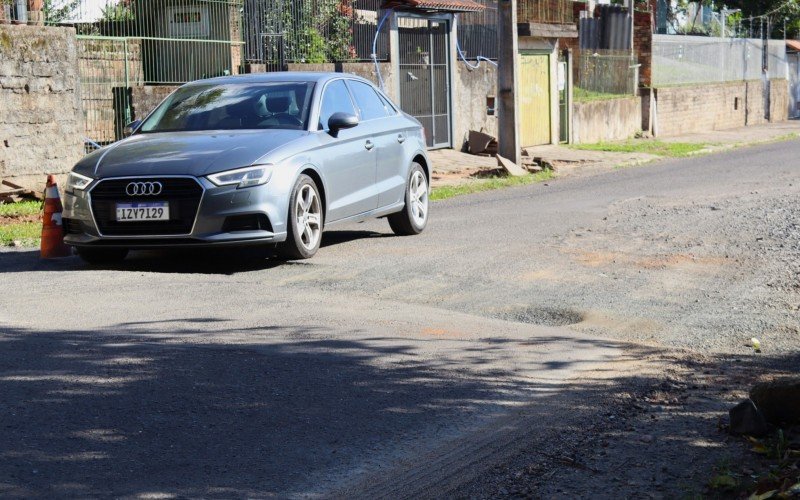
(606,120)
(41,119)
(700,108)
(755,100)
(779,101)
(719,106)
(643,45)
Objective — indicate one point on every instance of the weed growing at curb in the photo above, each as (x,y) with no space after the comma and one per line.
(658,148)
(445,192)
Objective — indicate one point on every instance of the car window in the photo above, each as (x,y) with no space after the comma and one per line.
(336,99)
(388,105)
(233,107)
(368,101)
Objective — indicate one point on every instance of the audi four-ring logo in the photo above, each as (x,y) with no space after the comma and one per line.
(144,188)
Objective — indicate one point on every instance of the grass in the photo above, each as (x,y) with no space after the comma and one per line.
(445,192)
(658,148)
(583,95)
(24,231)
(21,209)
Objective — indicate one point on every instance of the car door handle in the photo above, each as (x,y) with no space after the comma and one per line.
(401,138)
(369,145)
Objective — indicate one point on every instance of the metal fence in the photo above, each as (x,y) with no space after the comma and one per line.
(605,72)
(123,44)
(477,32)
(545,11)
(679,60)
(279,32)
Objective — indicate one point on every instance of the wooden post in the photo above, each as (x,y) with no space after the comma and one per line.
(507,81)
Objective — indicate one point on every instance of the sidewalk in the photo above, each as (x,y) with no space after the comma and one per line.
(452,167)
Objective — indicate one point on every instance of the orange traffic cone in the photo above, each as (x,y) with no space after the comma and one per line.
(52,233)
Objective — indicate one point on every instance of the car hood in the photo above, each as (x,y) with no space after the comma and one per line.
(189,153)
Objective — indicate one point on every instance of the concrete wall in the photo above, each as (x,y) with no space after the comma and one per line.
(41,119)
(606,120)
(470,110)
(718,106)
(779,101)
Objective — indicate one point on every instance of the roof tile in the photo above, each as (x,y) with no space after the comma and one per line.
(438,5)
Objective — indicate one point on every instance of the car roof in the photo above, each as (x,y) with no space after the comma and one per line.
(280,76)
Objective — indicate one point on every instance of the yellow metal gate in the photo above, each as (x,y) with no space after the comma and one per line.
(534,99)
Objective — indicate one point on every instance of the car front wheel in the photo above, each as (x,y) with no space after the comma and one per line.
(414,217)
(305,221)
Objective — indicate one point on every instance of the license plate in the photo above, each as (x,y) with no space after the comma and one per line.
(152,210)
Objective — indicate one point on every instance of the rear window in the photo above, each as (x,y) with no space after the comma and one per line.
(233,107)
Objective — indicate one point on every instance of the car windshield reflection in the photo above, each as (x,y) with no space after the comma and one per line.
(283,105)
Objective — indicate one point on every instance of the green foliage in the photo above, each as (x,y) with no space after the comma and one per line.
(658,148)
(56,11)
(444,192)
(21,209)
(118,12)
(583,95)
(26,233)
(309,31)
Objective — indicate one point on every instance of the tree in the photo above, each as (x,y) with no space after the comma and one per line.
(775,12)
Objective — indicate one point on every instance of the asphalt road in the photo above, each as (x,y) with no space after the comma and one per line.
(201,374)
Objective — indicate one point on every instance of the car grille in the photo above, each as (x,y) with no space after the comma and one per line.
(183,195)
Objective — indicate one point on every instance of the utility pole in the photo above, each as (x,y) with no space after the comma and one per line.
(507,81)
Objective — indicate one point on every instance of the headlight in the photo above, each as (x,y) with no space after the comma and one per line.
(78,181)
(244,177)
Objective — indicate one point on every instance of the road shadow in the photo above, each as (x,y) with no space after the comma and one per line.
(223,261)
(155,408)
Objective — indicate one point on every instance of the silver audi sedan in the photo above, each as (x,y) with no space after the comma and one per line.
(269,159)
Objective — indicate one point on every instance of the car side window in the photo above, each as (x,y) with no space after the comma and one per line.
(389,107)
(368,101)
(335,99)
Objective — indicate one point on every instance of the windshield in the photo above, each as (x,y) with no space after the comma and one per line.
(280,105)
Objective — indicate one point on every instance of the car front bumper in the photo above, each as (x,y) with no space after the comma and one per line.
(217,220)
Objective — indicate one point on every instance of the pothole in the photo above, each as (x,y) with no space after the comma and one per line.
(545,316)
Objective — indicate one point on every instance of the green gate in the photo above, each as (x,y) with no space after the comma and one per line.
(106,70)
(127,45)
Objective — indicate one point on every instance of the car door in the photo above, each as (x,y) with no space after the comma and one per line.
(348,160)
(389,137)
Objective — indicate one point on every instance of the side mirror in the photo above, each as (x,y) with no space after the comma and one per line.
(341,121)
(131,128)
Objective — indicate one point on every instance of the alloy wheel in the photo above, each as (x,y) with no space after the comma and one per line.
(309,217)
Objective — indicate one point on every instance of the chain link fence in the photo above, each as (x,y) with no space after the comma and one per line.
(681,60)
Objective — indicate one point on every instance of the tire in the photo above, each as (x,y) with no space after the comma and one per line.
(102,255)
(414,216)
(305,221)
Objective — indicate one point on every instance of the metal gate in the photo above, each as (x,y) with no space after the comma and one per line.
(123,46)
(424,74)
(105,79)
(534,100)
